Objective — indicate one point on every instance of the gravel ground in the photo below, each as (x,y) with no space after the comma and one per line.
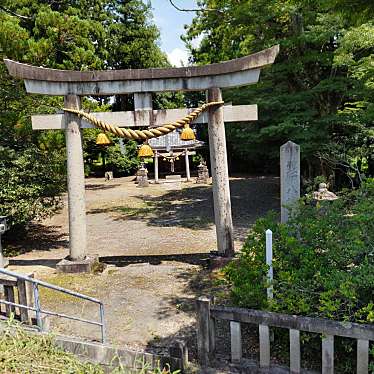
(149,297)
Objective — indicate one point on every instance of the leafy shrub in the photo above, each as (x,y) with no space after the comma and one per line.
(323,260)
(122,164)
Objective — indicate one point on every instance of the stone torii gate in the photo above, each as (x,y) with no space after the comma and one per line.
(142,83)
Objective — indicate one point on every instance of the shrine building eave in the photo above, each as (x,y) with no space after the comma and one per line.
(176,148)
(233,73)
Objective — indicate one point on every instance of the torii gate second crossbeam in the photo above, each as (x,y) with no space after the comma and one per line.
(142,83)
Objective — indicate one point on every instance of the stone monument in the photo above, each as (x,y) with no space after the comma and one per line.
(290,177)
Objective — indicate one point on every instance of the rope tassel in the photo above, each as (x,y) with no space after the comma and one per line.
(149,133)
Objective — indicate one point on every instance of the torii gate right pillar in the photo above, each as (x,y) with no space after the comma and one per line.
(220,176)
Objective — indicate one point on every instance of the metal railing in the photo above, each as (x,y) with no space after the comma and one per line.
(37,306)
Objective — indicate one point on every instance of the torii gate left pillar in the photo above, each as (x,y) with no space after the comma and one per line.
(143,82)
(75,179)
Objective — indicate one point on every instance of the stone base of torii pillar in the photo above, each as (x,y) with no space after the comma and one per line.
(87,265)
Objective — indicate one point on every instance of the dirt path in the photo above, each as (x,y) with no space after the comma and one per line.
(148,301)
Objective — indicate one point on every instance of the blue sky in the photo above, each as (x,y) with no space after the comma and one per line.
(170,23)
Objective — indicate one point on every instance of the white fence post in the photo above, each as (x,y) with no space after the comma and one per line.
(269,261)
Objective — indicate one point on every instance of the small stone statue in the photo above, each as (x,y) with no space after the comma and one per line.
(324,194)
(202,173)
(108,175)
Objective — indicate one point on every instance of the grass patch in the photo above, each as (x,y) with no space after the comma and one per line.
(23,353)
(82,283)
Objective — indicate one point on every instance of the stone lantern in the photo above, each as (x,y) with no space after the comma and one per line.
(142,174)
(323,194)
(202,173)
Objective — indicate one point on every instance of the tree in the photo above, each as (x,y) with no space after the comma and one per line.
(64,34)
(358,11)
(303,96)
(31,172)
(132,37)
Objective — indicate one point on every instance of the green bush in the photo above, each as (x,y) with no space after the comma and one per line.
(323,263)
(120,164)
(323,260)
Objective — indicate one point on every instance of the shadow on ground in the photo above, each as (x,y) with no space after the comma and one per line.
(203,282)
(251,198)
(190,208)
(199,282)
(189,258)
(38,238)
(94,187)
(193,207)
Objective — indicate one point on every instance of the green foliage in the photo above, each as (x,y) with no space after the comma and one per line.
(21,352)
(132,36)
(64,34)
(30,182)
(358,11)
(82,34)
(323,262)
(32,167)
(122,164)
(323,267)
(355,53)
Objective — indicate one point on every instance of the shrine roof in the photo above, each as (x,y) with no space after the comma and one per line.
(173,141)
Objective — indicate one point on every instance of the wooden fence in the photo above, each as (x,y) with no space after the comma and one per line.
(208,314)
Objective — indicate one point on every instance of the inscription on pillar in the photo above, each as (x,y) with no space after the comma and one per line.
(290,177)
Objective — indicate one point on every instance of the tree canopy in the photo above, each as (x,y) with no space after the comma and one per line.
(319,92)
(80,35)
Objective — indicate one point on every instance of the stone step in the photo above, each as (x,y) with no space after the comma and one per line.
(174,177)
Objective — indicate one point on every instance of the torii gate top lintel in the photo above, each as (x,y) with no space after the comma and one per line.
(233,73)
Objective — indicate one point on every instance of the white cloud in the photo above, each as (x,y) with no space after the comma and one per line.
(178,57)
(196,41)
